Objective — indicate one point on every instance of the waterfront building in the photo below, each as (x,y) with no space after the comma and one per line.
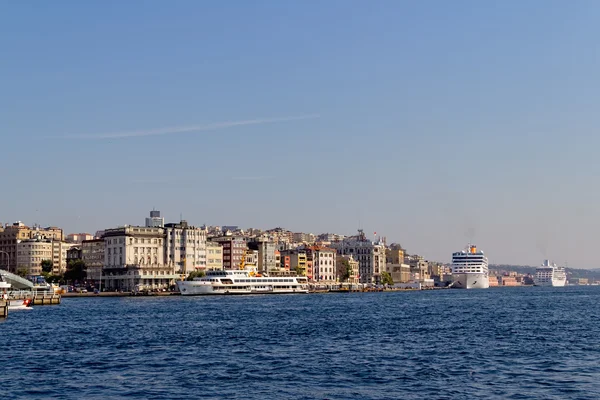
(419,268)
(11,234)
(266,254)
(297,261)
(400,273)
(233,249)
(134,259)
(155,220)
(341,261)
(59,256)
(214,256)
(508,280)
(370,255)
(92,255)
(185,247)
(323,263)
(31,253)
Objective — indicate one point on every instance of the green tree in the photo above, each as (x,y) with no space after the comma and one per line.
(386,278)
(346,270)
(75,271)
(195,274)
(299,271)
(47,265)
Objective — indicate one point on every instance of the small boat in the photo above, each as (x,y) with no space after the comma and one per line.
(19,304)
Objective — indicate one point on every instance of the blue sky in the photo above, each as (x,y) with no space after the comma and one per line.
(432,123)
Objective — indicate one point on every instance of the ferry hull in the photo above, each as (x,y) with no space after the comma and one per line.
(194,288)
(471,281)
(553,283)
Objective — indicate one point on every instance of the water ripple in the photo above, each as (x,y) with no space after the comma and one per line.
(513,343)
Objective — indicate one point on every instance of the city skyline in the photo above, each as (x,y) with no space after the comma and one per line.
(431,125)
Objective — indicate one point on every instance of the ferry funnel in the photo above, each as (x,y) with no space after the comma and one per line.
(473,249)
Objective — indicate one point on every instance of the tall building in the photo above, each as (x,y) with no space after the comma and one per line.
(31,253)
(185,247)
(11,234)
(323,263)
(233,249)
(266,255)
(59,256)
(92,254)
(214,256)
(370,256)
(155,220)
(134,259)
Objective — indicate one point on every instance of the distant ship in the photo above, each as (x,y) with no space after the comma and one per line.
(470,269)
(550,275)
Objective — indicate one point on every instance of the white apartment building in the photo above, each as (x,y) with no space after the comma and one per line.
(134,259)
(185,247)
(323,263)
(370,256)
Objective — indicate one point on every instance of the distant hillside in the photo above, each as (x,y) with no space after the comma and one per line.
(591,274)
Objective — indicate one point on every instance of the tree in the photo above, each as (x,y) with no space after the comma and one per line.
(22,272)
(47,265)
(346,270)
(75,271)
(386,278)
(299,271)
(195,274)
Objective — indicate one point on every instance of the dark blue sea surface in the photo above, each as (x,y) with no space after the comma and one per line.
(501,343)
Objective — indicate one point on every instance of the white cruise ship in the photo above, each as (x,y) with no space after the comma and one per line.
(241,282)
(470,269)
(548,274)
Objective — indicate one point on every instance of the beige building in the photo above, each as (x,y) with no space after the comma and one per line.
(59,256)
(92,254)
(11,234)
(400,273)
(394,254)
(341,267)
(214,256)
(134,259)
(79,237)
(31,253)
(185,247)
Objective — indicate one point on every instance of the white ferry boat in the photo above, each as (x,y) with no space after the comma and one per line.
(548,274)
(229,282)
(470,269)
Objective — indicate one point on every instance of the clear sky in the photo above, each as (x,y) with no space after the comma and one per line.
(430,122)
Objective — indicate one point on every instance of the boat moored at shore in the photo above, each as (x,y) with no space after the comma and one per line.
(230,282)
(470,269)
(549,274)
